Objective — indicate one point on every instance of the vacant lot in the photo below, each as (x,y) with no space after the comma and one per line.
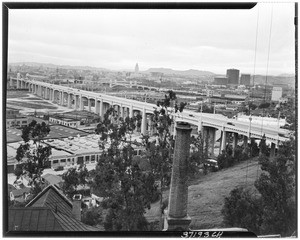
(207,193)
(32,104)
(17,94)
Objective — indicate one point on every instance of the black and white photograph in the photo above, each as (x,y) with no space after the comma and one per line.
(157,119)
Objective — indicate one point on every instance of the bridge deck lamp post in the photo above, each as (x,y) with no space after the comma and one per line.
(249,135)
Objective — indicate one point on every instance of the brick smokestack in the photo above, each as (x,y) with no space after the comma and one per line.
(178,198)
(76,209)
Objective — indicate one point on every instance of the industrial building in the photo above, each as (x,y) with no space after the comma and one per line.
(69,122)
(233,76)
(14,118)
(245,79)
(220,81)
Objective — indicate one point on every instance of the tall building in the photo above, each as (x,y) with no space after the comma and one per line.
(220,81)
(136,70)
(233,76)
(245,79)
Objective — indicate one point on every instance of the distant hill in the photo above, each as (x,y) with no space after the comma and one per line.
(280,79)
(190,72)
(51,65)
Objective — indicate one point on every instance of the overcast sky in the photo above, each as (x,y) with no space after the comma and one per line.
(211,40)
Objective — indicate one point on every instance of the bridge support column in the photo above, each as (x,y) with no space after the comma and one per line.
(75,102)
(45,93)
(69,104)
(205,135)
(212,137)
(131,111)
(53,95)
(101,113)
(61,98)
(234,143)
(89,104)
(80,103)
(272,152)
(177,216)
(97,106)
(122,112)
(245,144)
(223,141)
(200,127)
(144,122)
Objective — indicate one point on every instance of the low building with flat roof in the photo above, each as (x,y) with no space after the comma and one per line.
(14,118)
(66,121)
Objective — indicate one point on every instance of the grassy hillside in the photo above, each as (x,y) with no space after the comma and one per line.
(206,194)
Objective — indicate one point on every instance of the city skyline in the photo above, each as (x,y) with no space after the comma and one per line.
(118,39)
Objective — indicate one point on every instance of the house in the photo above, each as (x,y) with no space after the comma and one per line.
(50,210)
(19,195)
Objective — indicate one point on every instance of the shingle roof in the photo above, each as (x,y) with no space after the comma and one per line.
(50,210)
(32,219)
(43,219)
(52,199)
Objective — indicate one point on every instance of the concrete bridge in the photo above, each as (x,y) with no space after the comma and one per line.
(130,84)
(204,122)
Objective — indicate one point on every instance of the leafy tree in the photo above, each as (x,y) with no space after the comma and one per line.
(125,187)
(199,155)
(225,160)
(254,149)
(242,209)
(263,148)
(92,216)
(277,188)
(273,210)
(264,105)
(73,178)
(239,154)
(33,154)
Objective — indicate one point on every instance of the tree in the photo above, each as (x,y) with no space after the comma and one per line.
(254,149)
(199,155)
(73,178)
(277,188)
(92,216)
(33,154)
(263,148)
(242,209)
(125,187)
(273,210)
(225,160)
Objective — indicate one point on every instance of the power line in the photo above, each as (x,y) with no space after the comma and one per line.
(254,68)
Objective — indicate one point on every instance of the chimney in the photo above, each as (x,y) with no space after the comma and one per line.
(76,209)
(177,218)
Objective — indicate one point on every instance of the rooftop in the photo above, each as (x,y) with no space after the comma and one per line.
(56,131)
(50,210)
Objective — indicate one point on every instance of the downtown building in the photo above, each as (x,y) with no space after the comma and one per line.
(233,76)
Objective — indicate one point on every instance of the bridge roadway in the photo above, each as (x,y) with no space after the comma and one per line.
(203,121)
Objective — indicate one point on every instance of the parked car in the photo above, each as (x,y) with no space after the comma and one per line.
(212,164)
(58,168)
